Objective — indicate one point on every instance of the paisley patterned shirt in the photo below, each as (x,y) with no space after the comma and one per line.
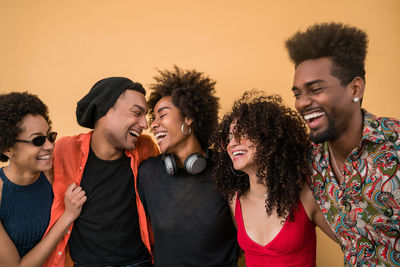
(364,210)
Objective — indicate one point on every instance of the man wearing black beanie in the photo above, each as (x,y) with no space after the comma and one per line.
(112,229)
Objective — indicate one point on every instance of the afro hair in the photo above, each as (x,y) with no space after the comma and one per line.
(344,44)
(193,94)
(13,108)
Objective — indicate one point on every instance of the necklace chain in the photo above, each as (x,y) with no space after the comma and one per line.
(335,164)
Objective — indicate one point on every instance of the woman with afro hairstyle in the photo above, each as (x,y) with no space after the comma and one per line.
(261,169)
(191,221)
(26,196)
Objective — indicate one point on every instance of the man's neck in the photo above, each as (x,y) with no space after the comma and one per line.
(348,139)
(103,149)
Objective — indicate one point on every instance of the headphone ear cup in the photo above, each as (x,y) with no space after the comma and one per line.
(170,164)
(195,163)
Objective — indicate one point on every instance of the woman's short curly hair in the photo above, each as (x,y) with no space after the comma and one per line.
(344,44)
(193,94)
(13,108)
(281,142)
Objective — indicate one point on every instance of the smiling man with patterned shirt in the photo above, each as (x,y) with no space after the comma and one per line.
(355,155)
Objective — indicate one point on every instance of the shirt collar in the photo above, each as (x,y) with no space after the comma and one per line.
(372,132)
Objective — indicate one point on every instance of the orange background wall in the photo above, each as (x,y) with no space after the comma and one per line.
(58,49)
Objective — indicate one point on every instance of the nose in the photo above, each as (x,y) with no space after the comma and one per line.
(154,124)
(143,123)
(48,145)
(302,102)
(232,143)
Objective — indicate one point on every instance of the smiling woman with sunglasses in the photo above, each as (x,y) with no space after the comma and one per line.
(26,196)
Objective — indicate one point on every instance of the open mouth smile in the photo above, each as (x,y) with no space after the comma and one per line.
(313,119)
(238,153)
(134,133)
(160,136)
(44,157)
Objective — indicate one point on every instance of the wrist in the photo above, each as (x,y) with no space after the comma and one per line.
(66,218)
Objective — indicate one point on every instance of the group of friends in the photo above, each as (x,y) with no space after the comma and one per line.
(256,181)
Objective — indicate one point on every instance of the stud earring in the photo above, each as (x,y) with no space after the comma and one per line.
(356,99)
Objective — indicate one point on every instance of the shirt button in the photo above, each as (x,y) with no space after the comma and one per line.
(80,167)
(59,253)
(68,232)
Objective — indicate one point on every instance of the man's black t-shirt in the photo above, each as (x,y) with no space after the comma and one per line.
(191,222)
(107,230)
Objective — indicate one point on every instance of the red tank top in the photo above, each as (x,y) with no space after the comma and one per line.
(294,245)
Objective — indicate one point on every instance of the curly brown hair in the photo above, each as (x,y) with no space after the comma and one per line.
(13,108)
(281,142)
(344,44)
(193,94)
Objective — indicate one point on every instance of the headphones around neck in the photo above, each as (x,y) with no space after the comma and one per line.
(194,164)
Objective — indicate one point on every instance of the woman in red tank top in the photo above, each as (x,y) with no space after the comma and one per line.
(261,168)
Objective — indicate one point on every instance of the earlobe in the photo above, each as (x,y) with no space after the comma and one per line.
(8,153)
(357,88)
(188,121)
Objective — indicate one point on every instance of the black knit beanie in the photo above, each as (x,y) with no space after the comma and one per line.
(101,98)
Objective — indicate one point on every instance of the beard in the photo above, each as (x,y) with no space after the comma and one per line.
(330,134)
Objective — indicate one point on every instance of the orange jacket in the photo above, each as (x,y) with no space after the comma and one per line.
(70,156)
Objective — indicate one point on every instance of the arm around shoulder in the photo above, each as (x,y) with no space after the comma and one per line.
(146,147)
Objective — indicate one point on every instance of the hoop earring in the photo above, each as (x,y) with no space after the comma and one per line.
(183,129)
(236,173)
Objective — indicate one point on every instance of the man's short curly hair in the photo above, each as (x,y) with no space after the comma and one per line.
(193,94)
(281,142)
(344,44)
(13,108)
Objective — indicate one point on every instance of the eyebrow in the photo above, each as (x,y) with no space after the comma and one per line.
(308,84)
(161,109)
(38,133)
(139,107)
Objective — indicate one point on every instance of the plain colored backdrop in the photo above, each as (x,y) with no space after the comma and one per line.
(59,49)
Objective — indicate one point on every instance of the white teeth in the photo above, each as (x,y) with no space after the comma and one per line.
(134,133)
(313,115)
(160,135)
(44,157)
(239,152)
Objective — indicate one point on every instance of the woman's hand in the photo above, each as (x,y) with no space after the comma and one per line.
(73,200)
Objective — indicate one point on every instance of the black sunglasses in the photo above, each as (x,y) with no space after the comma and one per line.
(41,139)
